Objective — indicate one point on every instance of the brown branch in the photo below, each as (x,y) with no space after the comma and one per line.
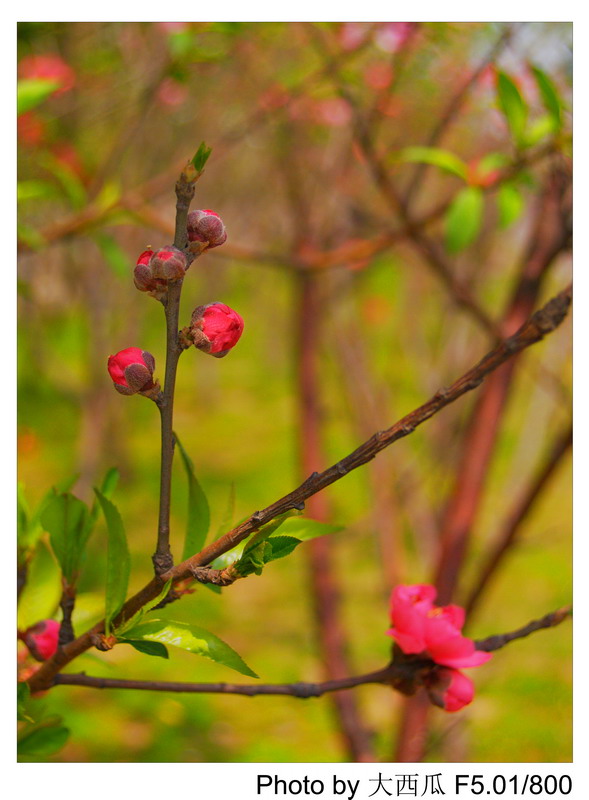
(492,643)
(397,674)
(539,325)
(518,514)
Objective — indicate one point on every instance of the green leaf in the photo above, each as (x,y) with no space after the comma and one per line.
(192,638)
(198,516)
(539,130)
(107,488)
(510,203)
(34,190)
(305,529)
(201,157)
(550,97)
(70,182)
(226,521)
(43,738)
(113,254)
(149,648)
(118,561)
(40,597)
(136,618)
(22,696)
(281,546)
(437,157)
(464,218)
(512,105)
(66,517)
(32,91)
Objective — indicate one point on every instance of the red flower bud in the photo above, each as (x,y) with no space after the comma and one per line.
(449,689)
(42,638)
(168,264)
(132,370)
(154,270)
(215,328)
(206,226)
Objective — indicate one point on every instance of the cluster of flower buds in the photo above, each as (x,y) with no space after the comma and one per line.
(206,226)
(42,639)
(434,632)
(155,269)
(214,329)
(132,372)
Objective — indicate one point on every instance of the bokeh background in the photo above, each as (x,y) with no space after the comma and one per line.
(297,114)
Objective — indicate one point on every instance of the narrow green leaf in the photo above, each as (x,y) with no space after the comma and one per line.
(118,560)
(71,184)
(43,738)
(464,218)
(304,529)
(510,204)
(281,546)
(227,520)
(436,157)
(491,162)
(198,515)
(22,696)
(201,157)
(550,97)
(107,488)
(512,105)
(192,638)
(65,518)
(34,190)
(114,255)
(540,129)
(40,597)
(136,618)
(149,648)
(32,91)
(30,236)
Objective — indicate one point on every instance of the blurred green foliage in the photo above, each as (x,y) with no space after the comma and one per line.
(97,165)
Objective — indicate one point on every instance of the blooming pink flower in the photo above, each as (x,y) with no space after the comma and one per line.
(205,225)
(450,689)
(42,639)
(132,370)
(216,328)
(49,67)
(420,627)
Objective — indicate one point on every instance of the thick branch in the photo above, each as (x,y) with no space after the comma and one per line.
(541,323)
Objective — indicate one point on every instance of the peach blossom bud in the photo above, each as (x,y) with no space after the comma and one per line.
(42,639)
(206,226)
(215,328)
(132,370)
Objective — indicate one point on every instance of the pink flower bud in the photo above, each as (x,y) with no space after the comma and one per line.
(215,328)
(132,370)
(206,226)
(449,689)
(42,638)
(168,264)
